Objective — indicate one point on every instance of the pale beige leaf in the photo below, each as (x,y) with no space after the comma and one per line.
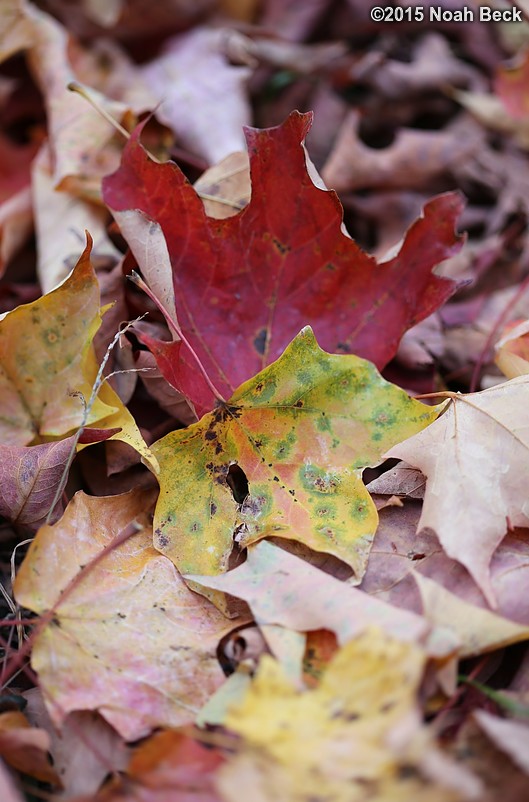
(478,630)
(476,459)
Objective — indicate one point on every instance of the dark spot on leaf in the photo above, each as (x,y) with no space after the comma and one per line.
(218,448)
(299,403)
(283,249)
(210,435)
(292,492)
(259,344)
(416,556)
(343,348)
(237,482)
(121,615)
(276,478)
(258,443)
(163,541)
(212,508)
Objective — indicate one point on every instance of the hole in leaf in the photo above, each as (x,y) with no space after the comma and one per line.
(237,482)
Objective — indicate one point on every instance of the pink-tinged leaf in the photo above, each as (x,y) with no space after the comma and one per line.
(127,638)
(511,87)
(282,589)
(246,285)
(512,737)
(398,552)
(29,477)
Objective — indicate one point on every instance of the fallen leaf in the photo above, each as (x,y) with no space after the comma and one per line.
(193,73)
(29,477)
(225,188)
(413,160)
(402,480)
(60,221)
(94,653)
(8,790)
(474,457)
(477,630)
(246,285)
(282,589)
(398,551)
(491,112)
(300,434)
(167,767)
(510,86)
(26,748)
(350,737)
(85,749)
(16,217)
(78,135)
(512,737)
(47,364)
(512,350)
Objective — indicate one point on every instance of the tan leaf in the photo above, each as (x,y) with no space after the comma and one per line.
(476,458)
(127,638)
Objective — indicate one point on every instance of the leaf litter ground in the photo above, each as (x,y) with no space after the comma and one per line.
(234,571)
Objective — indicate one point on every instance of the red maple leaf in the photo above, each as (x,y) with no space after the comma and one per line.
(246,285)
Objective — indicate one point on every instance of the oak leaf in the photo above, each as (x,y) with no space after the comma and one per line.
(245,286)
(127,637)
(299,434)
(475,457)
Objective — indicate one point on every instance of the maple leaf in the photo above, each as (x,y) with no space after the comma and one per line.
(356,731)
(245,286)
(301,431)
(47,362)
(127,637)
(475,458)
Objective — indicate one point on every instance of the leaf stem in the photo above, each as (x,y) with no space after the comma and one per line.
(173,325)
(499,698)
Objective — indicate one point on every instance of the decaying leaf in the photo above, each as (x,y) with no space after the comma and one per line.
(127,637)
(295,438)
(246,285)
